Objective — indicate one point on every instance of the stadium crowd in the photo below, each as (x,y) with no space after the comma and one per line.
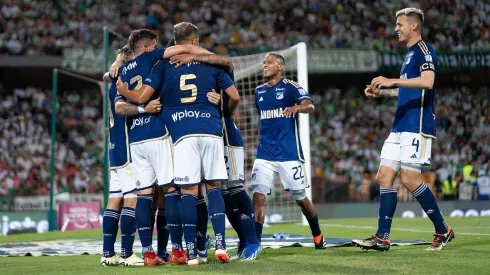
(25,142)
(347,133)
(241,26)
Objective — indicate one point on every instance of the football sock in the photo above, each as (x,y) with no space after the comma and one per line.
(128,230)
(163,232)
(426,198)
(247,213)
(189,222)
(387,207)
(109,227)
(217,214)
(143,221)
(202,223)
(173,206)
(234,217)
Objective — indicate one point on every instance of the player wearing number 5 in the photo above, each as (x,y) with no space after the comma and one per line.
(196,128)
(279,153)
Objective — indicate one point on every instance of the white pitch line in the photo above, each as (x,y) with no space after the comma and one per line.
(400,229)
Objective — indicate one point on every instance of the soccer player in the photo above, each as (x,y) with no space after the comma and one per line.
(279,152)
(239,207)
(122,185)
(408,146)
(196,129)
(148,137)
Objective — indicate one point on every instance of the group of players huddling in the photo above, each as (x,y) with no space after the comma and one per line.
(173,134)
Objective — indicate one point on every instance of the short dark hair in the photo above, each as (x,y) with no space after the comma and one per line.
(140,35)
(278,56)
(185,31)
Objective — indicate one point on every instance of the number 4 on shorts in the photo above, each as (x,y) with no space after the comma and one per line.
(416,144)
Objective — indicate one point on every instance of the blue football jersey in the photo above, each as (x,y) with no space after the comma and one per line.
(143,127)
(186,109)
(232,136)
(279,136)
(118,133)
(415,110)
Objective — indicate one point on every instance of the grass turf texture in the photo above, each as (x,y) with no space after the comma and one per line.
(468,253)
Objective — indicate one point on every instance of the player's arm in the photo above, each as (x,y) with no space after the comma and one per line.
(228,86)
(140,96)
(184,49)
(306,106)
(124,108)
(211,59)
(370,91)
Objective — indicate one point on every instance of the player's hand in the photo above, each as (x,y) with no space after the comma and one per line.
(182,59)
(153,106)
(214,97)
(382,82)
(114,69)
(121,86)
(235,115)
(370,91)
(290,111)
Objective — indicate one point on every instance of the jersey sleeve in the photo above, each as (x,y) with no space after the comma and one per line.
(156,54)
(155,77)
(426,59)
(224,80)
(299,94)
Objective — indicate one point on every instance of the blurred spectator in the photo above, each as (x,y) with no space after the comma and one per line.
(241,26)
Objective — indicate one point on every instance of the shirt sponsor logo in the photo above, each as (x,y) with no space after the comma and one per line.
(189,114)
(140,121)
(268,114)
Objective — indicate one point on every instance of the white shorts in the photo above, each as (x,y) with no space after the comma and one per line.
(122,183)
(406,147)
(152,161)
(235,162)
(292,174)
(197,158)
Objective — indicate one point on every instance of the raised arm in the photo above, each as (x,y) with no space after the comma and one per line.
(212,59)
(140,96)
(183,49)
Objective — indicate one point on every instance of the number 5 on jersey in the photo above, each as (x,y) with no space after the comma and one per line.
(185,87)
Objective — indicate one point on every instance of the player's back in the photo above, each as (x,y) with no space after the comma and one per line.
(279,136)
(118,133)
(144,126)
(415,112)
(186,109)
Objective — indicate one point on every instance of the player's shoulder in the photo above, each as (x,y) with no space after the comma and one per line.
(290,83)
(261,87)
(424,49)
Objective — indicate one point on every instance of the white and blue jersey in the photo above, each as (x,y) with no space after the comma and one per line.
(232,136)
(143,127)
(279,136)
(118,133)
(415,108)
(186,109)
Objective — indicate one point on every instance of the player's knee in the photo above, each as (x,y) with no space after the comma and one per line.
(298,195)
(194,190)
(130,201)
(213,184)
(261,190)
(114,203)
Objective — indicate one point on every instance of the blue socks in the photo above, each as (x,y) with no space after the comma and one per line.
(217,214)
(234,217)
(387,207)
(247,213)
(428,202)
(189,222)
(109,227)
(128,230)
(173,206)
(163,232)
(314,225)
(258,230)
(202,223)
(143,221)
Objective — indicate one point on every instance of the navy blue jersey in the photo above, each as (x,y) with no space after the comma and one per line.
(143,127)
(186,109)
(232,136)
(415,110)
(118,133)
(279,136)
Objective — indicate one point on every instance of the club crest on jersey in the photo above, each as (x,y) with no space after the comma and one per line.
(279,95)
(409,57)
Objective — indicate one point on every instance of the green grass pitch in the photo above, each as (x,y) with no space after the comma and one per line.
(467,254)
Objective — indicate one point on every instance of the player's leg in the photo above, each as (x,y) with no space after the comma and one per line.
(145,181)
(154,207)
(187,175)
(292,174)
(110,222)
(234,217)
(128,217)
(416,152)
(202,238)
(162,228)
(388,169)
(173,205)
(262,182)
(214,172)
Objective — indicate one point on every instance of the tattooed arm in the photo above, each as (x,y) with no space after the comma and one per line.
(211,59)
(124,108)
